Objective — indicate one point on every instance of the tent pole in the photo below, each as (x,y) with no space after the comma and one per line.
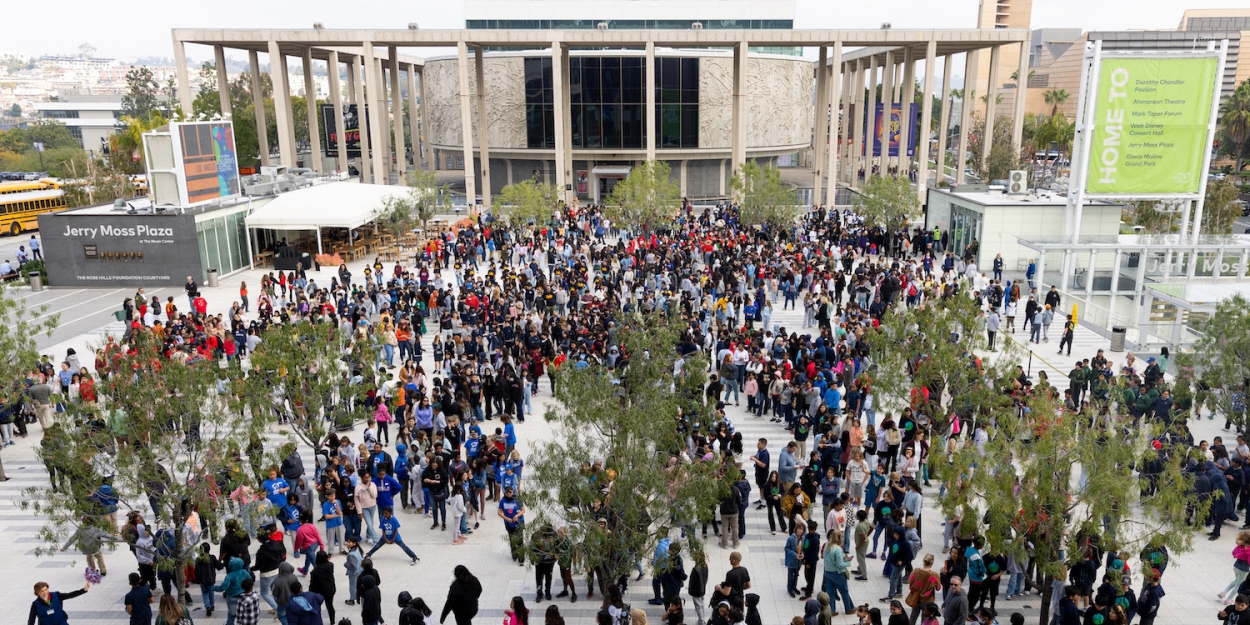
(319,252)
(251,258)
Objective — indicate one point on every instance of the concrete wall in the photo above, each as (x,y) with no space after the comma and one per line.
(167,242)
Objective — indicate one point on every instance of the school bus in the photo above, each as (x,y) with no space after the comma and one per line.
(21,203)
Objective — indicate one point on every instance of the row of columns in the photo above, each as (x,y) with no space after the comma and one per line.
(387,155)
(894,72)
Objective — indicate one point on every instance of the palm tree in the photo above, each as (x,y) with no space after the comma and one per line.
(1016,75)
(1235,121)
(1055,98)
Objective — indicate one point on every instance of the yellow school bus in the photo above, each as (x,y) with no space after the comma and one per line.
(21,203)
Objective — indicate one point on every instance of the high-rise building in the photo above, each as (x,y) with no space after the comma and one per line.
(999,14)
(1224,20)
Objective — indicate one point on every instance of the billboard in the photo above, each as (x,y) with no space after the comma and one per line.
(209,163)
(893,133)
(85,249)
(351,129)
(1150,131)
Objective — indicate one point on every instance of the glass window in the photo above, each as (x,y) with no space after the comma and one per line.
(611,81)
(669,121)
(549,126)
(690,81)
(575,113)
(534,125)
(548,84)
(631,80)
(611,125)
(591,79)
(575,80)
(632,125)
(533,81)
(592,120)
(690,126)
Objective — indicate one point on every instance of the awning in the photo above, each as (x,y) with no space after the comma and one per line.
(333,205)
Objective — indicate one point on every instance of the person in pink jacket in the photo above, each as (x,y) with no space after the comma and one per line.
(383,416)
(308,541)
(1241,567)
(367,504)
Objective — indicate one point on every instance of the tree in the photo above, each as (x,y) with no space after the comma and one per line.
(763,199)
(129,141)
(1064,485)
(168,440)
(95,182)
(1235,123)
(1055,98)
(1003,159)
(1220,361)
(1149,215)
(1221,209)
(51,133)
(15,110)
(314,375)
(401,213)
(20,325)
(886,201)
(647,197)
(141,98)
(528,201)
(634,420)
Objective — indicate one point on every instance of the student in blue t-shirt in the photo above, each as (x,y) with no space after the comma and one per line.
(473,446)
(513,514)
(290,514)
(276,489)
(332,512)
(390,535)
(388,487)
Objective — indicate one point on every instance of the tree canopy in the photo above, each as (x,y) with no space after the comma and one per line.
(646,198)
(763,199)
(887,201)
(528,201)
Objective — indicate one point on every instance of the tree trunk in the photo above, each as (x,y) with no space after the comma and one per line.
(1044,598)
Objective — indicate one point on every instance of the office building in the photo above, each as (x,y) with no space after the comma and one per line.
(92,119)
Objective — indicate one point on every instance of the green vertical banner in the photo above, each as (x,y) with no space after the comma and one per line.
(1150,125)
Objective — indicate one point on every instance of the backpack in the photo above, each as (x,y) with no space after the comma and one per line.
(912,290)
(893,437)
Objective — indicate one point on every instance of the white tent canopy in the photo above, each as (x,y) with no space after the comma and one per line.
(333,205)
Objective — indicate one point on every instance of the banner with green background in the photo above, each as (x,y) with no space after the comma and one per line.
(1150,125)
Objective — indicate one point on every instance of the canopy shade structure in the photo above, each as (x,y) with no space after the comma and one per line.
(334,205)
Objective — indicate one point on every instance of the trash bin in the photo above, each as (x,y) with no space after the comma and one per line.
(1117,338)
(36,281)
(212,277)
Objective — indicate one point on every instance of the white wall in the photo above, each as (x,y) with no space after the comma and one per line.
(1005,225)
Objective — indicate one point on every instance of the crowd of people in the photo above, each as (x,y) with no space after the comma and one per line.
(466,334)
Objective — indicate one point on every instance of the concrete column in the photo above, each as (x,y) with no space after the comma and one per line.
(565,122)
(377,93)
(183,77)
(681,177)
(860,133)
(991,93)
(821,127)
(223,82)
(397,115)
(466,122)
(414,126)
(426,133)
(1115,274)
(336,99)
(357,76)
(310,96)
(965,116)
(887,102)
(870,114)
(649,98)
(1089,272)
(281,97)
(290,111)
(944,126)
(1022,86)
(382,164)
(907,95)
(740,111)
(835,96)
(258,105)
(483,127)
(560,111)
(842,155)
(926,121)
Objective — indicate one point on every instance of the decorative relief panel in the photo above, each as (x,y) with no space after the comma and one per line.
(505,101)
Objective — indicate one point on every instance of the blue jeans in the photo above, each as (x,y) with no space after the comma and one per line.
(731,386)
(896,580)
(232,609)
(371,516)
(1015,584)
(351,584)
(388,354)
(310,557)
(398,541)
(282,614)
(206,592)
(351,526)
(266,591)
(792,580)
(835,586)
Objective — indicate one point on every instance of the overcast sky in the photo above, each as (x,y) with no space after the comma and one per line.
(128,29)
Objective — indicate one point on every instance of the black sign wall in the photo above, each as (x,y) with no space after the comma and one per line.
(119,250)
(351,124)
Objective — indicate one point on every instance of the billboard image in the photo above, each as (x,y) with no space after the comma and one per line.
(1150,132)
(894,133)
(351,129)
(209,163)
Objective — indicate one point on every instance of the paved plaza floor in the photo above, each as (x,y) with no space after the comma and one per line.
(1191,580)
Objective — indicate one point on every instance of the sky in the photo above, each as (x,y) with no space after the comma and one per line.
(129,29)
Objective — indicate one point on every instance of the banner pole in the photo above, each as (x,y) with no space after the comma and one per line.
(1211,124)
